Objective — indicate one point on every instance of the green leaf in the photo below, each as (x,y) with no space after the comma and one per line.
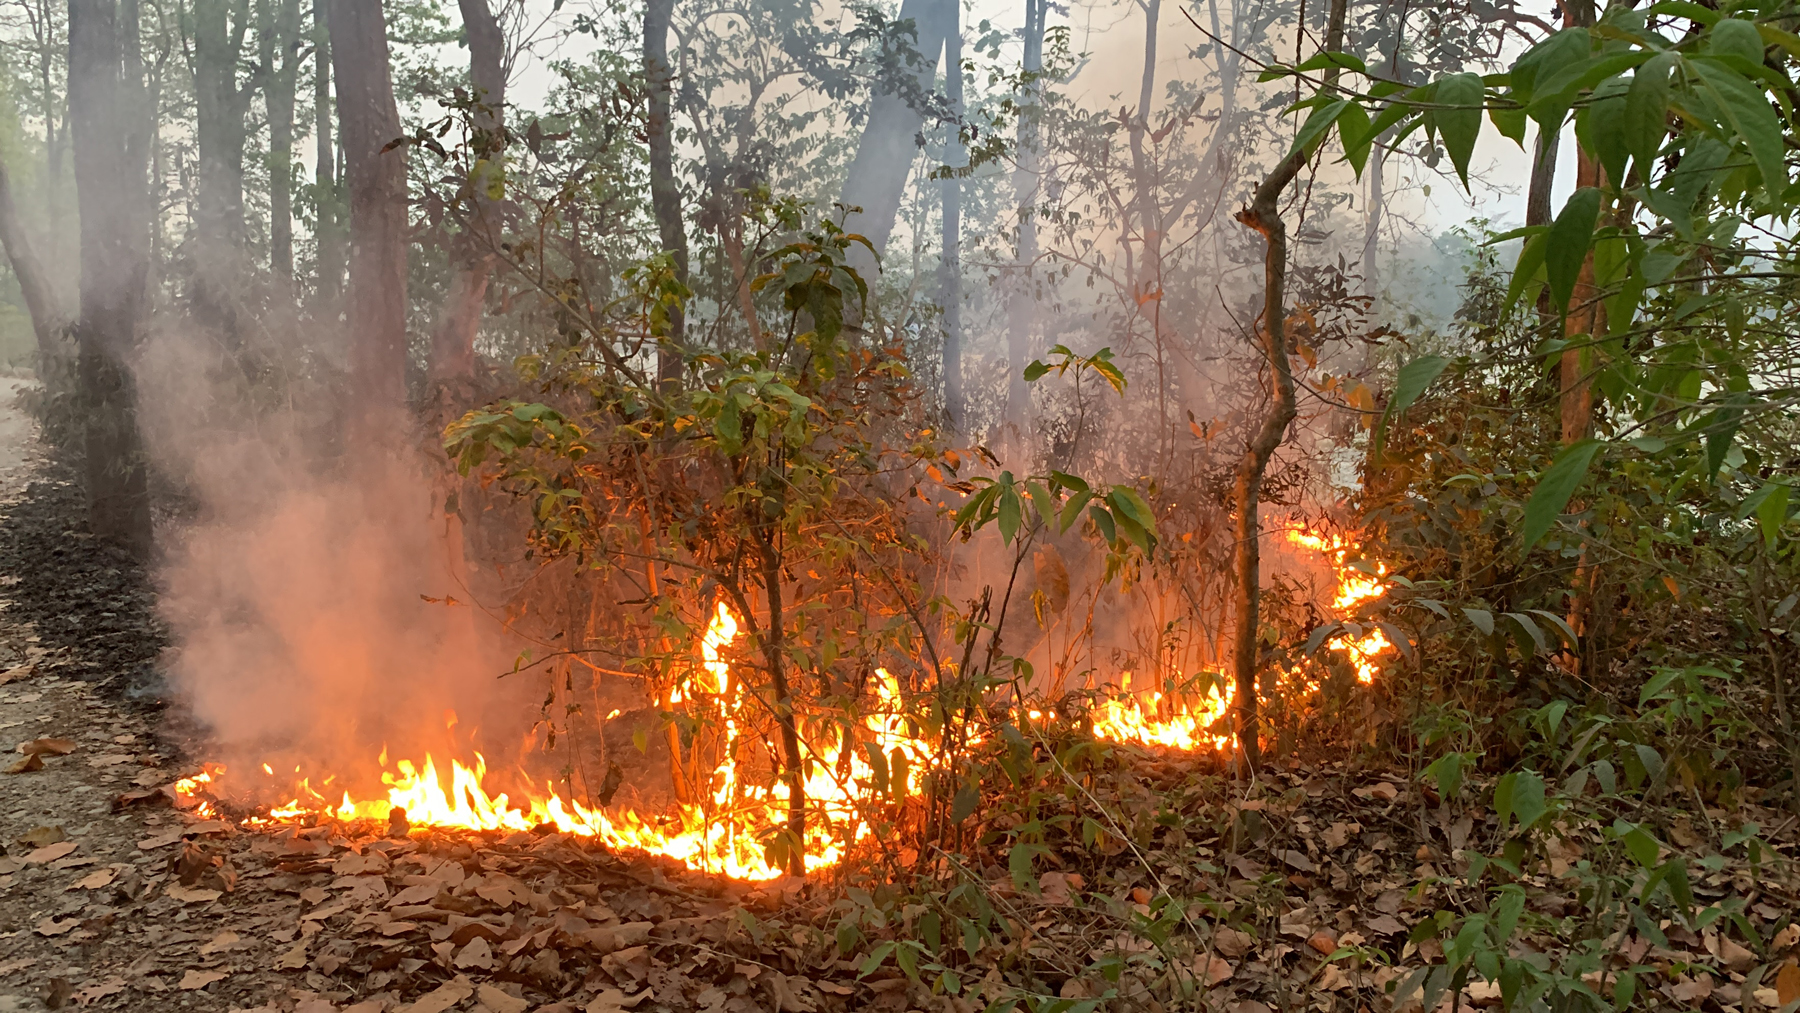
(1751,118)
(1482,618)
(1071,511)
(1555,487)
(1570,236)
(1312,132)
(1035,371)
(1104,521)
(1568,46)
(1010,510)
(1527,801)
(1605,118)
(963,806)
(1736,37)
(1529,266)
(1510,121)
(1460,122)
(1647,112)
(1353,131)
(1771,513)
(1409,383)
(1642,846)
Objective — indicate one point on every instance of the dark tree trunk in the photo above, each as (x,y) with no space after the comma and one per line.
(279,53)
(220,105)
(1264,215)
(950,274)
(885,152)
(665,193)
(112,278)
(329,235)
(453,342)
(375,303)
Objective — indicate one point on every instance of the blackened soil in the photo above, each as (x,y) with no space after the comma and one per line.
(90,603)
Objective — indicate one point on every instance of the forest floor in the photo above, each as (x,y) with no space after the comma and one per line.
(113,897)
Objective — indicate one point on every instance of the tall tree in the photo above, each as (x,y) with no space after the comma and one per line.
(1021,308)
(665,194)
(453,342)
(48,320)
(221,103)
(375,175)
(1264,216)
(278,54)
(886,150)
(328,235)
(113,266)
(950,269)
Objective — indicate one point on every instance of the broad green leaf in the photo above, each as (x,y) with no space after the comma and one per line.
(1555,487)
(1524,623)
(1642,846)
(1035,370)
(1547,57)
(1563,628)
(1605,119)
(1010,510)
(1510,121)
(1323,61)
(1684,9)
(1567,247)
(1482,618)
(1771,514)
(1528,267)
(1527,799)
(1409,383)
(1312,132)
(1647,112)
(1751,118)
(1736,37)
(1353,132)
(1459,118)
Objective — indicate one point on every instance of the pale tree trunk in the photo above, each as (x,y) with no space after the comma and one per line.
(950,269)
(453,341)
(48,320)
(112,279)
(329,235)
(1264,215)
(375,302)
(665,193)
(279,51)
(1021,307)
(886,150)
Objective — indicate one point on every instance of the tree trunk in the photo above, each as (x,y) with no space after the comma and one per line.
(1543,177)
(665,194)
(453,342)
(112,280)
(328,235)
(1264,215)
(1021,310)
(375,303)
(950,267)
(885,152)
(48,320)
(280,55)
(220,105)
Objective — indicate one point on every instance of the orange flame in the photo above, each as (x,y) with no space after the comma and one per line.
(1354,586)
(725,836)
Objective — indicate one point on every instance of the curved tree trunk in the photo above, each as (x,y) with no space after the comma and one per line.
(49,322)
(375,303)
(113,265)
(1264,215)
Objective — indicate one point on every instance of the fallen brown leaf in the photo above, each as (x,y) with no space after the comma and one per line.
(611,1000)
(95,880)
(1214,970)
(1232,942)
(197,979)
(30,763)
(295,959)
(219,943)
(1323,942)
(160,840)
(100,990)
(51,853)
(17,672)
(441,998)
(47,747)
(499,1001)
(478,954)
(1787,983)
(52,927)
(192,895)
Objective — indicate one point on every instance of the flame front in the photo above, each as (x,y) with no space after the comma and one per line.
(724,836)
(1354,586)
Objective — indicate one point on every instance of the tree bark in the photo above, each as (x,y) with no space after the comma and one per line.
(328,233)
(279,45)
(453,342)
(48,320)
(220,105)
(1021,310)
(375,302)
(1264,215)
(950,267)
(885,152)
(112,280)
(665,193)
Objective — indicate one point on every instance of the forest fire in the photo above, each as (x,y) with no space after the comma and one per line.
(1354,586)
(726,836)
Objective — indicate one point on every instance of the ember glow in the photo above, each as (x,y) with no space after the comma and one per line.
(727,835)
